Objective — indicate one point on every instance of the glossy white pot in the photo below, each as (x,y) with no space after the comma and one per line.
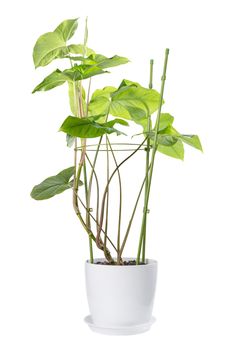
(120,298)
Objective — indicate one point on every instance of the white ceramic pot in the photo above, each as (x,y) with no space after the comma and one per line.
(120,296)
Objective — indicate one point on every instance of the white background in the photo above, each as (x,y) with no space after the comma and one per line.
(43,247)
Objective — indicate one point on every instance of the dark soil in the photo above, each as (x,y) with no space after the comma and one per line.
(124,263)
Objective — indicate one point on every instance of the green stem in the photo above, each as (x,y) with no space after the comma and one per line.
(91,176)
(92,217)
(147,165)
(132,216)
(97,190)
(154,149)
(88,221)
(106,189)
(120,205)
(107,202)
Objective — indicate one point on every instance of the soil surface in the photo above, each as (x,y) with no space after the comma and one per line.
(124,263)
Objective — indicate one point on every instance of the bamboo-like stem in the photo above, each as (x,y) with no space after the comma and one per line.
(106,189)
(120,205)
(154,149)
(132,216)
(147,166)
(107,201)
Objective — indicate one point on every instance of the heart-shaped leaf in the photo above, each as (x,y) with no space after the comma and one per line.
(130,101)
(52,45)
(54,185)
(89,128)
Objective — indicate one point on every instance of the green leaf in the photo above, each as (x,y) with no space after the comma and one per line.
(134,102)
(104,62)
(52,45)
(105,92)
(126,82)
(78,50)
(165,120)
(47,48)
(129,101)
(100,103)
(101,61)
(56,78)
(192,140)
(82,72)
(89,128)
(54,185)
(67,28)
(174,151)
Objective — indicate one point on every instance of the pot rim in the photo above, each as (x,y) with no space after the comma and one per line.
(149,262)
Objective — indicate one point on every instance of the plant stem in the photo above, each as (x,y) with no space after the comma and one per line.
(120,205)
(97,189)
(88,95)
(132,216)
(91,178)
(88,222)
(92,217)
(147,165)
(154,149)
(106,189)
(107,203)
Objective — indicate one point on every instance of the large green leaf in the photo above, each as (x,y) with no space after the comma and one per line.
(130,101)
(134,102)
(89,128)
(54,79)
(52,45)
(82,72)
(71,75)
(47,48)
(100,60)
(54,185)
(67,28)
(174,151)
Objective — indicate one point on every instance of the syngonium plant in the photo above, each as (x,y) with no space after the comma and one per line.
(97,116)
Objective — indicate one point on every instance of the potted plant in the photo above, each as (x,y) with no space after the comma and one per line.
(120,290)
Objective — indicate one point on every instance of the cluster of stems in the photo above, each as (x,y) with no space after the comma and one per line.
(98,233)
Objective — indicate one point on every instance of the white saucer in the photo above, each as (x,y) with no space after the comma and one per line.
(127,330)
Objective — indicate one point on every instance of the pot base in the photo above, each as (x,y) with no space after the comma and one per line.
(129,330)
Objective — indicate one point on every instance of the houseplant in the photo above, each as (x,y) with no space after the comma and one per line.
(127,307)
